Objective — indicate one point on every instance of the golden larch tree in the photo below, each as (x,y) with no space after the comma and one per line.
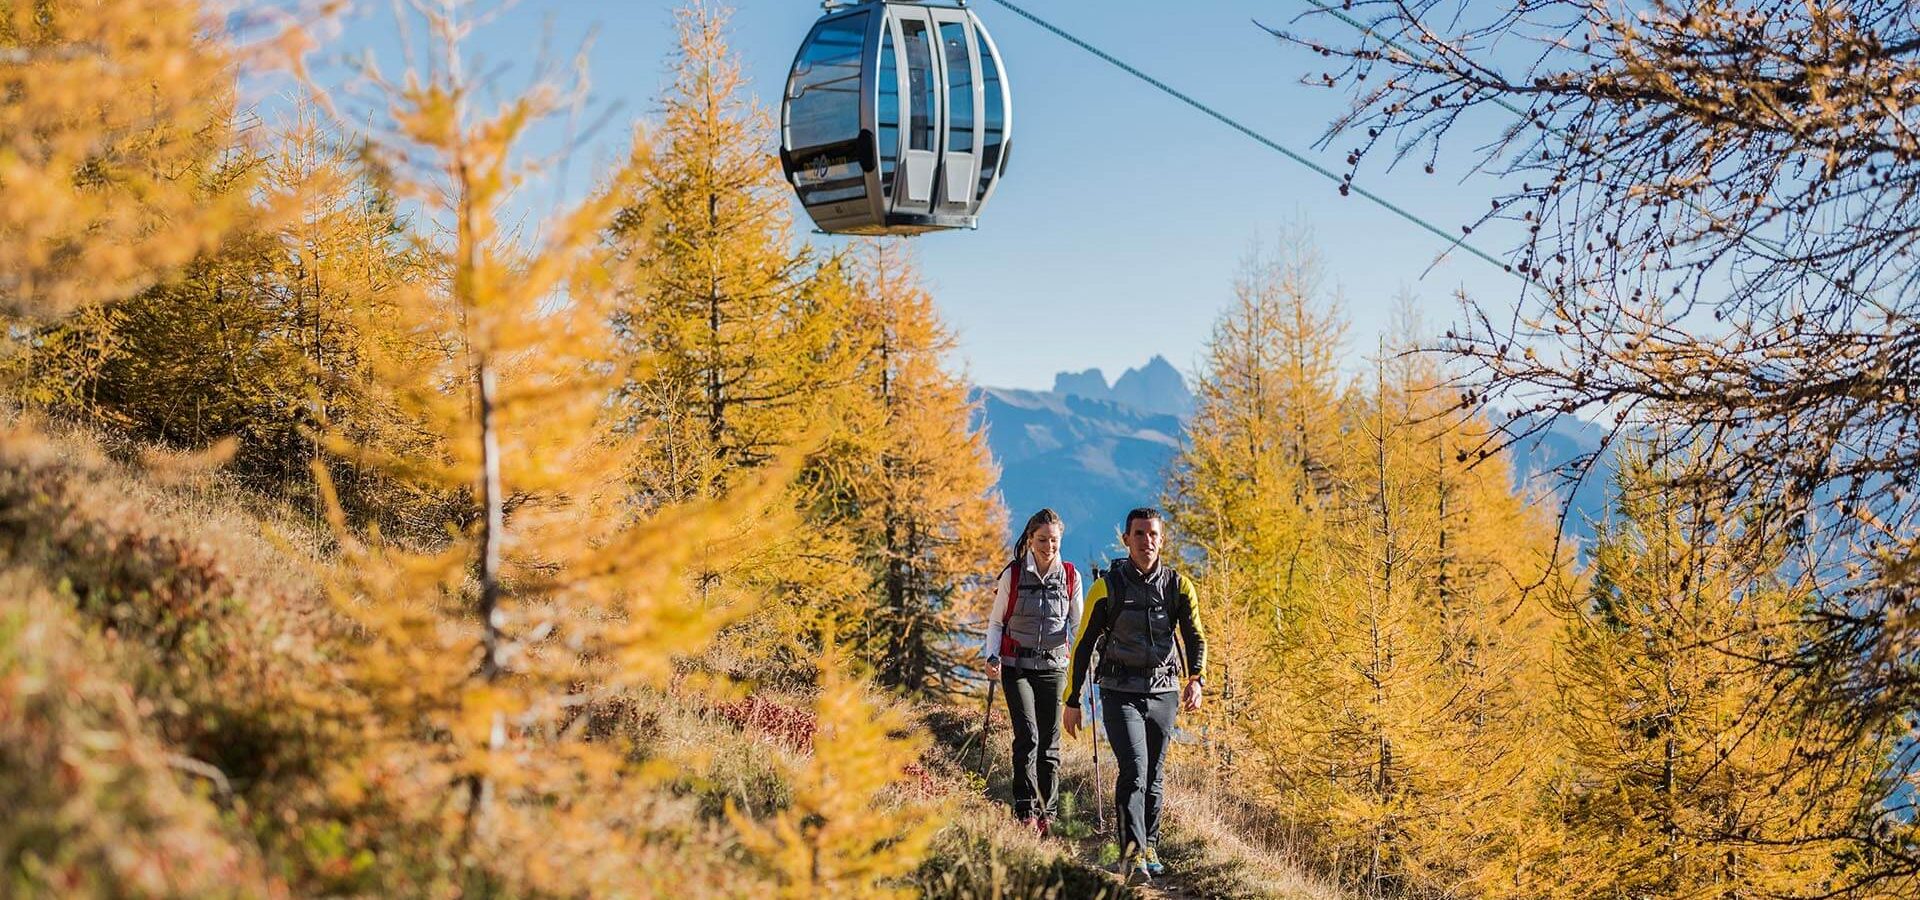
(271,339)
(108,111)
(1405,691)
(906,477)
(1693,771)
(483,653)
(1244,490)
(730,339)
(734,346)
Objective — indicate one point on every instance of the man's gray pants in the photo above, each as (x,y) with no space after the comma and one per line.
(1139,726)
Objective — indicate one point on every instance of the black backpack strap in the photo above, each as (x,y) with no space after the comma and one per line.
(1113,610)
(1185,608)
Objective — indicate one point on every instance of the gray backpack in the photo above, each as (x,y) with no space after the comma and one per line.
(1140,651)
(1037,630)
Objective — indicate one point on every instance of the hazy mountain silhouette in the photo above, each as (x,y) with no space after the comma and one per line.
(1543,463)
(1155,388)
(1091,384)
(1090,460)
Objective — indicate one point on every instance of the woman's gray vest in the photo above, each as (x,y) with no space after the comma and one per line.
(1138,653)
(1041,620)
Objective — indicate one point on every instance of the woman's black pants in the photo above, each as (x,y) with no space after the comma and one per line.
(1033,703)
(1139,726)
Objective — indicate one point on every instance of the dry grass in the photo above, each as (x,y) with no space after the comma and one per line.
(217,633)
(1232,847)
(218,629)
(95,804)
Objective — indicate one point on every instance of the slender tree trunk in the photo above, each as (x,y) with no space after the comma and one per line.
(1299,354)
(1443,580)
(1382,655)
(492,503)
(901,669)
(318,409)
(1671,710)
(487,572)
(495,528)
(716,402)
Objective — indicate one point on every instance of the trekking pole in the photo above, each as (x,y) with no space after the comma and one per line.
(1093,733)
(986,728)
(1099,787)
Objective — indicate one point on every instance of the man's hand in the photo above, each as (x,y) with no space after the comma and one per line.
(993,667)
(1070,720)
(1190,698)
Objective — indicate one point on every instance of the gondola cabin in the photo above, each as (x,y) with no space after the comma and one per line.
(896,119)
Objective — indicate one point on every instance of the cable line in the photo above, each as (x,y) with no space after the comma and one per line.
(1269,143)
(1779,251)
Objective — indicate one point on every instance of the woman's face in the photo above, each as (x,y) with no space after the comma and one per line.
(1045,544)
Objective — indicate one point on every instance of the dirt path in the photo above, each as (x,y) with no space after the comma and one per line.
(1208,855)
(1096,849)
(1088,826)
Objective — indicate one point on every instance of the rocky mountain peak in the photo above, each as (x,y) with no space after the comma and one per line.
(1091,384)
(1155,387)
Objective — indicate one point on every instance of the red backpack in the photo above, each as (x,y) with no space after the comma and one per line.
(1008,646)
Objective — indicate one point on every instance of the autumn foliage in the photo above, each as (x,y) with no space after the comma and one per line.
(110,112)
(1416,671)
(364,534)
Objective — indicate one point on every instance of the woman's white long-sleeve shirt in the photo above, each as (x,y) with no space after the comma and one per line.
(990,648)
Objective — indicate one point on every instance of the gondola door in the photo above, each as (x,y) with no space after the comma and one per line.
(921,107)
(960,147)
(829,96)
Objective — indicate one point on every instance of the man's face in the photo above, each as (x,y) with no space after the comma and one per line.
(1143,543)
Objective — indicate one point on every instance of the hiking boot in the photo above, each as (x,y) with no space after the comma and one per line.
(1135,864)
(1151,859)
(1043,827)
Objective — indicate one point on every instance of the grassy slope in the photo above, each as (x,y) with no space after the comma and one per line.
(171,709)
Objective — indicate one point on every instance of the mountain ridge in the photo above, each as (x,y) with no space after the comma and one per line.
(1090,460)
(1155,387)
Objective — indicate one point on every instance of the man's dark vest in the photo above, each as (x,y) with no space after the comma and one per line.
(1138,652)
(1041,620)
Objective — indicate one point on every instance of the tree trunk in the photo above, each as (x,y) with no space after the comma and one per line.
(487,572)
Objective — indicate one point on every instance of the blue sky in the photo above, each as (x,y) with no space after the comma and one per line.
(1123,216)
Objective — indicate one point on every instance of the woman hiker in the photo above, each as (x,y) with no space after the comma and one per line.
(1036,606)
(1134,613)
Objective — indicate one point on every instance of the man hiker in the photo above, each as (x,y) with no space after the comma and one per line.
(1133,615)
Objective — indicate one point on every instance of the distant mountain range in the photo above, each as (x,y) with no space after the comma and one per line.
(1090,460)
(1155,387)
(1093,450)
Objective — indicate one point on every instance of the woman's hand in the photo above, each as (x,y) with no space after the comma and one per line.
(993,667)
(1070,720)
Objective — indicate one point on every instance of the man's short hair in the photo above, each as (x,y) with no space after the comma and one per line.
(1141,512)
